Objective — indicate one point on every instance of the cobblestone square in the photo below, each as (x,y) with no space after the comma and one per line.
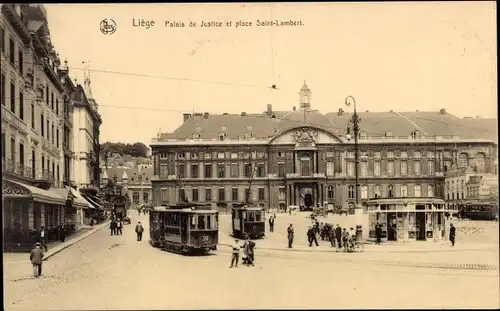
(117,272)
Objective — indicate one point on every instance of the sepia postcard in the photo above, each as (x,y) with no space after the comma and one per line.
(257,155)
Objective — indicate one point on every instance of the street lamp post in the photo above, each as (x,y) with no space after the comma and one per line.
(355,126)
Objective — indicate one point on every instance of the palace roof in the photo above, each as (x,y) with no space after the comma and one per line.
(271,123)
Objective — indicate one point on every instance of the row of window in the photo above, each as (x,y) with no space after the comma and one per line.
(195,196)
(462,159)
(377,191)
(232,170)
(136,197)
(46,163)
(50,97)
(330,193)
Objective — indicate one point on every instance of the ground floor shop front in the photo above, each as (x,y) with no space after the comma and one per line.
(26,209)
(408,219)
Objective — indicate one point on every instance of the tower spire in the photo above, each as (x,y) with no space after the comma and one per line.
(86,80)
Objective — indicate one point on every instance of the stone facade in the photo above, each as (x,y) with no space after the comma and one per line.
(301,157)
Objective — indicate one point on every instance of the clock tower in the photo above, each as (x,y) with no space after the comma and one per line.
(305,96)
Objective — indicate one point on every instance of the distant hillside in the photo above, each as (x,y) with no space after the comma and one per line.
(134,150)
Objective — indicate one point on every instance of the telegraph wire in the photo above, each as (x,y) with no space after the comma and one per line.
(162,77)
(268,117)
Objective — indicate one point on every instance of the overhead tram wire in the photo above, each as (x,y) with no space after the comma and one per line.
(141,75)
(265,116)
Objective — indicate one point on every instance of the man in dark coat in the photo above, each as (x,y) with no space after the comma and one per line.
(62,233)
(331,235)
(112,227)
(378,232)
(311,237)
(338,236)
(36,258)
(139,230)
(452,234)
(271,224)
(290,233)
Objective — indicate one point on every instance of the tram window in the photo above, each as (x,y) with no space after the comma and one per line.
(201,222)
(209,222)
(216,220)
(257,216)
(244,215)
(251,216)
(193,222)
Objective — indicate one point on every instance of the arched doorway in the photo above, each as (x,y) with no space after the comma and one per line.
(308,201)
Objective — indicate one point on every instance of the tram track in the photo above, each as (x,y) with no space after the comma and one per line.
(445,266)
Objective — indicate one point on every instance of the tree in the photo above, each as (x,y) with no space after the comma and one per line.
(136,150)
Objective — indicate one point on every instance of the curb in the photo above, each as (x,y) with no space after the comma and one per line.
(74,241)
(316,250)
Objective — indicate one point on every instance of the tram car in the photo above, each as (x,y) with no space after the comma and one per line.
(248,220)
(184,228)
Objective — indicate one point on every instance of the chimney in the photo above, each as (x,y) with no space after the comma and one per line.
(442,111)
(294,108)
(341,112)
(205,115)
(224,114)
(269,110)
(243,114)
(186,116)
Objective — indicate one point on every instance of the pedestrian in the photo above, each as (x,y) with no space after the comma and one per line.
(139,230)
(62,233)
(42,238)
(452,234)
(338,236)
(119,227)
(112,227)
(345,239)
(290,235)
(248,251)
(331,236)
(236,253)
(271,224)
(378,232)
(311,236)
(36,258)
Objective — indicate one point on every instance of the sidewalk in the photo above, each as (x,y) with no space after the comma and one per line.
(87,231)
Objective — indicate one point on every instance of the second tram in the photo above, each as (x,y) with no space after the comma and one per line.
(248,220)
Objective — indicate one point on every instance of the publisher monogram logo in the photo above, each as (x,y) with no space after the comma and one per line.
(108,26)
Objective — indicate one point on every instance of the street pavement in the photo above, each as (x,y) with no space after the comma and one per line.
(118,272)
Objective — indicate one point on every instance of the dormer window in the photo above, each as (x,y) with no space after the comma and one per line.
(181,155)
(388,134)
(248,135)
(362,135)
(196,135)
(194,155)
(222,136)
(414,134)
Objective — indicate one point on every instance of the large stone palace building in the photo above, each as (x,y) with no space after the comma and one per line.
(303,157)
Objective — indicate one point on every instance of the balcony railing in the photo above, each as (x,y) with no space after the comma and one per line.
(18,169)
(10,118)
(27,172)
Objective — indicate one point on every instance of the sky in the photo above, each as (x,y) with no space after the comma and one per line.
(389,56)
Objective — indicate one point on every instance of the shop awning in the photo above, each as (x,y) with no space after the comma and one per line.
(13,189)
(79,201)
(94,202)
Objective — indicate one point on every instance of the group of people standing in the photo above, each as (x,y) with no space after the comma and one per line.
(116,226)
(248,252)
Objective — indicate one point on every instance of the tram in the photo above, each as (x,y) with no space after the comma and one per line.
(477,210)
(185,228)
(248,220)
